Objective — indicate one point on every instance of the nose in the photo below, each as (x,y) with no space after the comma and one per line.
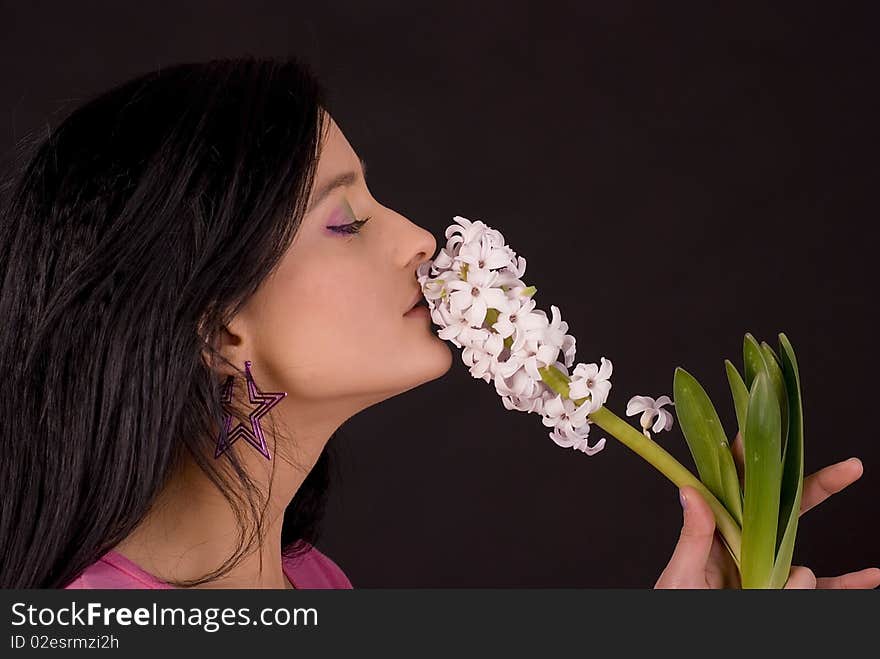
(423,247)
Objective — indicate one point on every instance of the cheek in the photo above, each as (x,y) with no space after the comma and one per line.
(322,336)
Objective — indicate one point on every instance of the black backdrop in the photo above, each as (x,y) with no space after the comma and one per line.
(675,177)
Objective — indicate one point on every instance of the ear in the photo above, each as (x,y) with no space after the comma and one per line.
(228,355)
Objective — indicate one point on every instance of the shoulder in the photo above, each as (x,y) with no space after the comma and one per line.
(314,569)
(115,571)
(311,570)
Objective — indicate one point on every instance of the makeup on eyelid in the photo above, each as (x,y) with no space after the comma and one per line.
(343,220)
(343,214)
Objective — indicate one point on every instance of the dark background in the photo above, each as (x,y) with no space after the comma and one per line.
(674,176)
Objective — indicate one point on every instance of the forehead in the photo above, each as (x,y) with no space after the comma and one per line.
(335,154)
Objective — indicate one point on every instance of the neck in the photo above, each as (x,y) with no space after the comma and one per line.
(191,530)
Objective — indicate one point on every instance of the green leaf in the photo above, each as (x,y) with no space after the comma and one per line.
(768,350)
(763,473)
(708,444)
(775,373)
(740,395)
(732,498)
(793,468)
(753,359)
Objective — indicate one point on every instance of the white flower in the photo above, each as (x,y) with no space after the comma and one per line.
(577,440)
(476,295)
(482,354)
(519,385)
(465,232)
(519,320)
(476,271)
(590,380)
(486,254)
(523,403)
(650,408)
(456,329)
(570,424)
(532,356)
(555,331)
(569,347)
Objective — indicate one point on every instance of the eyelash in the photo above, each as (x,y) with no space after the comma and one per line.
(352,228)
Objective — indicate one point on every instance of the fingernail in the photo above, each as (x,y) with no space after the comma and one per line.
(683,499)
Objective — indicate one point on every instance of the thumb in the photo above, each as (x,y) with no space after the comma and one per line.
(688,562)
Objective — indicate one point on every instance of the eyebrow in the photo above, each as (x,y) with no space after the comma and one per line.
(343,180)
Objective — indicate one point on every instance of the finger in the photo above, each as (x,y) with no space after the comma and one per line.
(721,571)
(739,456)
(828,481)
(867,578)
(688,562)
(800,578)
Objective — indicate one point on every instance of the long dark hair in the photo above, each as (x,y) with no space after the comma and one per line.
(129,235)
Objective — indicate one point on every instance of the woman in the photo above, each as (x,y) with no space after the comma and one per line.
(198,290)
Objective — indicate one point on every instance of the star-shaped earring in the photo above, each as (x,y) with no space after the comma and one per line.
(254,435)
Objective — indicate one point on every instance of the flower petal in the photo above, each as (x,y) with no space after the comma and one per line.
(660,422)
(504,327)
(560,439)
(531,367)
(449,332)
(638,404)
(592,450)
(554,407)
(669,419)
(477,313)
(495,298)
(460,300)
(547,354)
(600,392)
(577,389)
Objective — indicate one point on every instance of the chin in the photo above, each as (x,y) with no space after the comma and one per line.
(450,357)
(430,366)
(444,357)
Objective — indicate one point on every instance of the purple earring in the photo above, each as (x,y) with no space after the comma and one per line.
(266,401)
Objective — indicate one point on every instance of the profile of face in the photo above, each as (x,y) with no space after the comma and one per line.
(328,326)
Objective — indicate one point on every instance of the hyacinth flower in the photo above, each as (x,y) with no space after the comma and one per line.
(476,295)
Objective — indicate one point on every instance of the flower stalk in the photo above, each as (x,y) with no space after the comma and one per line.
(476,294)
(655,455)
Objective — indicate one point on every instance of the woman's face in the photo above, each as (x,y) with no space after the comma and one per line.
(328,326)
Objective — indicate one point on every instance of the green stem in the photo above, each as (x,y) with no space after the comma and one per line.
(657,456)
(636,441)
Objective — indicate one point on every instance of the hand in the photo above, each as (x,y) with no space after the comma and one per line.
(701,560)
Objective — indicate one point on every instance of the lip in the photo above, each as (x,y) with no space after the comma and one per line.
(415,301)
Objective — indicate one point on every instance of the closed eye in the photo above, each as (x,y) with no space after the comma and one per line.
(354,227)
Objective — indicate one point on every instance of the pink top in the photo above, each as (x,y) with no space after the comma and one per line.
(113,570)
